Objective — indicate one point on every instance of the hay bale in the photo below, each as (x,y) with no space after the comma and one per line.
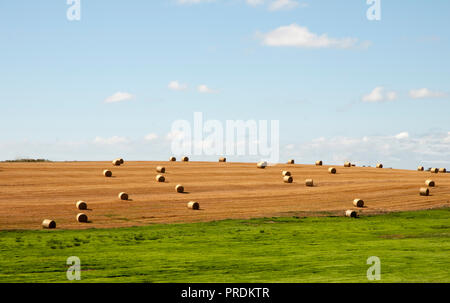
(116,162)
(107,173)
(379,165)
(123,196)
(222,159)
(358,203)
(332,170)
(442,170)
(291,161)
(288,179)
(193,205)
(82,218)
(351,213)
(424,191)
(160,169)
(285,173)
(160,178)
(262,164)
(172,159)
(185,159)
(420,168)
(347,164)
(434,170)
(121,160)
(309,182)
(179,188)
(430,183)
(319,163)
(81,205)
(47,223)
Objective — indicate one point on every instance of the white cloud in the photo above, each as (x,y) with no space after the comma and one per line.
(283,5)
(425,93)
(254,2)
(290,146)
(175,85)
(151,136)
(176,134)
(110,141)
(119,97)
(204,89)
(378,94)
(402,135)
(299,36)
(399,151)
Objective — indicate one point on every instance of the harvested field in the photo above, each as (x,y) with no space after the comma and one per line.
(35,191)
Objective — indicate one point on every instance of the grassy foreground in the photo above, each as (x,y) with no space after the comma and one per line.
(412,247)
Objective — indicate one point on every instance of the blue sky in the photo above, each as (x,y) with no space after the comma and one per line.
(342,87)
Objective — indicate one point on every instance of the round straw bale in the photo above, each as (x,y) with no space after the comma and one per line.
(379,165)
(116,162)
(121,160)
(160,169)
(222,159)
(82,218)
(193,205)
(358,203)
(430,183)
(434,170)
(285,173)
(47,223)
(424,191)
(291,161)
(172,159)
(347,164)
(81,205)
(420,168)
(319,163)
(332,170)
(261,164)
(288,179)
(179,188)
(442,170)
(309,182)
(107,173)
(351,213)
(123,196)
(185,159)
(160,178)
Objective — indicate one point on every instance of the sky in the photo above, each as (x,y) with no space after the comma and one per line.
(343,87)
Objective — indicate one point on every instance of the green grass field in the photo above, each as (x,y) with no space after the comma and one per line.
(412,247)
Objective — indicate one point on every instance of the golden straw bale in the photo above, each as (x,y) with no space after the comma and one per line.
(81,205)
(358,203)
(193,205)
(123,196)
(288,179)
(47,223)
(82,218)
(424,191)
(179,188)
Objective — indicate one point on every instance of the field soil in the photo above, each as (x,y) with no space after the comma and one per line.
(32,192)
